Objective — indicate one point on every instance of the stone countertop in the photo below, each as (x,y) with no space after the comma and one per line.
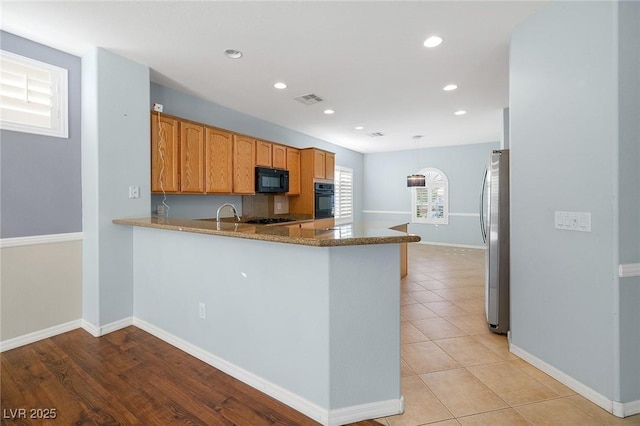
(352,234)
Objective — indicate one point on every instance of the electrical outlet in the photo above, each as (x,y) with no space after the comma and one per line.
(134,192)
(202,311)
(157,107)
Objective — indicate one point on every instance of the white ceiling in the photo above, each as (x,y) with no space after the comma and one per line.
(365,59)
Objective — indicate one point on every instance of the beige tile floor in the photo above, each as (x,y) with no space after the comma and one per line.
(455,371)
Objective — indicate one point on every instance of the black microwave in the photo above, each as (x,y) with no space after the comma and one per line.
(272,180)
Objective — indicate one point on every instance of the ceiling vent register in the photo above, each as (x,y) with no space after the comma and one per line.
(309,99)
(375,134)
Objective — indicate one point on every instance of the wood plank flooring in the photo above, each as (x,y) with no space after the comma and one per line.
(127,377)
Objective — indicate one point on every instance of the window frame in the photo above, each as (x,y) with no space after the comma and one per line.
(338,217)
(431,185)
(59,98)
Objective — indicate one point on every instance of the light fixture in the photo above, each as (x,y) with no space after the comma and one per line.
(433,41)
(450,87)
(416,179)
(461,112)
(329,111)
(233,53)
(359,127)
(280,85)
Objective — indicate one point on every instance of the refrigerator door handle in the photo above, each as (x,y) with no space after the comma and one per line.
(483,229)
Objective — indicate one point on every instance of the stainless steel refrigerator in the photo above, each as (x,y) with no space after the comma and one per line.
(494,225)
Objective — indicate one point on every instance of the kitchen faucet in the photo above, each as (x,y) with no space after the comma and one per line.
(233,209)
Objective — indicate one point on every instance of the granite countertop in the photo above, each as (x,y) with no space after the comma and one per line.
(352,234)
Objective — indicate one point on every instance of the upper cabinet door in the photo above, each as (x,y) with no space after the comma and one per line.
(263,153)
(165,165)
(191,158)
(329,165)
(293,165)
(244,165)
(279,156)
(323,164)
(318,164)
(218,161)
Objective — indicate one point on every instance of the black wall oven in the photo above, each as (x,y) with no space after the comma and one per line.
(324,194)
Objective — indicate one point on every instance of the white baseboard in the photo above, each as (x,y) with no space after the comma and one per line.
(116,325)
(434,243)
(97,331)
(308,408)
(358,413)
(39,335)
(626,409)
(618,409)
(93,330)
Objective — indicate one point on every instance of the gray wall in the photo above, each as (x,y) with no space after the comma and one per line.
(115,94)
(193,108)
(40,184)
(386,189)
(40,194)
(565,150)
(312,336)
(629,200)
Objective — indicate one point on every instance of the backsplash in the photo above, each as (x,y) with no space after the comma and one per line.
(264,205)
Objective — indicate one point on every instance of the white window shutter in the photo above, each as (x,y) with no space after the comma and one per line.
(430,204)
(33,96)
(343,204)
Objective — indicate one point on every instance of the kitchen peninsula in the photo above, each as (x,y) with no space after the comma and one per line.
(308,316)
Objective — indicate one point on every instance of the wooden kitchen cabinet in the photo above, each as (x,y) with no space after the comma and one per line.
(271,155)
(318,164)
(191,158)
(293,166)
(244,149)
(263,153)
(329,165)
(323,164)
(165,151)
(218,161)
(314,165)
(279,156)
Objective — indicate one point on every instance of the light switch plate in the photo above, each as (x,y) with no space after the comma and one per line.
(573,221)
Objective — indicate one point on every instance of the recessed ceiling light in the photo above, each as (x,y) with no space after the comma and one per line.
(450,87)
(461,112)
(280,85)
(433,41)
(359,127)
(329,111)
(233,54)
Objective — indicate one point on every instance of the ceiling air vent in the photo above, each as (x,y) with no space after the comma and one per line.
(309,99)
(375,134)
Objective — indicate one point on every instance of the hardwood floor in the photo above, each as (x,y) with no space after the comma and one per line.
(127,377)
